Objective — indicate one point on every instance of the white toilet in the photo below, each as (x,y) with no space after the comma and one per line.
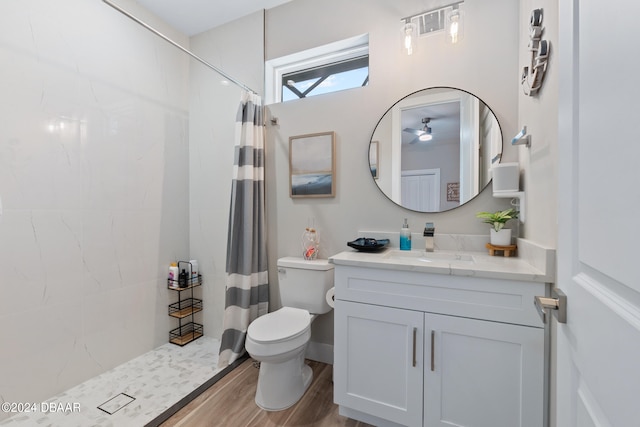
(279,339)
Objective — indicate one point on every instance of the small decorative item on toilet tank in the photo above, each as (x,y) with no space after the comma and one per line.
(310,243)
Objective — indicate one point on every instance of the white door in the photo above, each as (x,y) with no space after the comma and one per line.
(482,374)
(421,190)
(598,349)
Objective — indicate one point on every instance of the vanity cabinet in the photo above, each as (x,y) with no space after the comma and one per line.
(420,349)
(481,373)
(378,364)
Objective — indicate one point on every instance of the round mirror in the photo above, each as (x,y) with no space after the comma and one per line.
(432,151)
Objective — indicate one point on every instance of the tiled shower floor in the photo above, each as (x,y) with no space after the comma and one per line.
(157,380)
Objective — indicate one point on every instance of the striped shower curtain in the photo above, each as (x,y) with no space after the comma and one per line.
(247,288)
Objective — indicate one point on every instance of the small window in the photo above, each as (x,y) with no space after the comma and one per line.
(325,79)
(330,68)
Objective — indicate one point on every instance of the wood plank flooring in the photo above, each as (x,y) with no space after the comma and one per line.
(230,403)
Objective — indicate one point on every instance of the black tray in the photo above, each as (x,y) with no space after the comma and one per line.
(366,244)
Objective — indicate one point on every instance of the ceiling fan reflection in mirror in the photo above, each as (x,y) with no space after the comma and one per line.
(424,134)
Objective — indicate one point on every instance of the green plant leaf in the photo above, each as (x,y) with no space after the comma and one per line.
(497,219)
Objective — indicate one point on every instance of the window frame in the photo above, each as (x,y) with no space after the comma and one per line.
(327,55)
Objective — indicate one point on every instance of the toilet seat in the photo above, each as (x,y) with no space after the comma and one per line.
(281,325)
(277,334)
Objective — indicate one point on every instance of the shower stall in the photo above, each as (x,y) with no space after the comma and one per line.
(116,159)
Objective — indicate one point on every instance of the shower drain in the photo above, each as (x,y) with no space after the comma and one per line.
(116,403)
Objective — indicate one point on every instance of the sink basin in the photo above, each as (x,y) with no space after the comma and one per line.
(424,256)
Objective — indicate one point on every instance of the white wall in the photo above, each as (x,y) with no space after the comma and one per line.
(485,63)
(539,164)
(94,211)
(540,114)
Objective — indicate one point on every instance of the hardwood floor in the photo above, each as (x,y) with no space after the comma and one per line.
(230,403)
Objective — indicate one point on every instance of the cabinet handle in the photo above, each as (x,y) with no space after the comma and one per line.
(415,334)
(433,341)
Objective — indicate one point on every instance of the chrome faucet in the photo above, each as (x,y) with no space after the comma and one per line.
(429,231)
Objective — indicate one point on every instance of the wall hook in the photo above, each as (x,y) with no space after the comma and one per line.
(522,138)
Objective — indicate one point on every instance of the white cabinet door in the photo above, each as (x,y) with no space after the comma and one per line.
(378,361)
(482,374)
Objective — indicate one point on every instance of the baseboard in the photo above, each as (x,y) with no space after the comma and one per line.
(365,418)
(320,352)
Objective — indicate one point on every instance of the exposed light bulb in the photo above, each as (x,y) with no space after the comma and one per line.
(408,41)
(453,28)
(408,37)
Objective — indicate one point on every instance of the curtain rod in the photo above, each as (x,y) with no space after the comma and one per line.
(185,50)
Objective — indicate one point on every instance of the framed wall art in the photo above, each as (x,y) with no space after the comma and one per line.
(312,161)
(453,191)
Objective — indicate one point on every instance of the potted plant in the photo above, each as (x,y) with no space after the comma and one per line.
(500,236)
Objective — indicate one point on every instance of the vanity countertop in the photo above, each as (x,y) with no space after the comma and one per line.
(455,263)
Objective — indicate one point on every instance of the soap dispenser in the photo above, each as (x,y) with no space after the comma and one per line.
(405,237)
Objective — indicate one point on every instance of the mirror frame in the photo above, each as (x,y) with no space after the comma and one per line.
(389,111)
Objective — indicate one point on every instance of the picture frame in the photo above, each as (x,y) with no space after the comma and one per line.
(312,165)
(453,191)
(374,153)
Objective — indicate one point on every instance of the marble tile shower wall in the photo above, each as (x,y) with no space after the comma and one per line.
(94,185)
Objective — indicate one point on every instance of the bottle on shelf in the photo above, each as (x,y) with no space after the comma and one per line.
(174,272)
(194,270)
(182,279)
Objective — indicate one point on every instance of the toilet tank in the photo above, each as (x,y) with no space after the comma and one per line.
(304,283)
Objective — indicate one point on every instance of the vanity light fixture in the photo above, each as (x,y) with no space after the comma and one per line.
(447,19)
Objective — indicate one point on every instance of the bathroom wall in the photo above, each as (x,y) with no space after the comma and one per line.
(539,113)
(237,49)
(94,185)
(486,63)
(539,175)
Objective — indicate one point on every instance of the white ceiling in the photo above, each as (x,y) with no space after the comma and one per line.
(195,16)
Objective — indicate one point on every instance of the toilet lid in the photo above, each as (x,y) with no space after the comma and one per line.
(283,324)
